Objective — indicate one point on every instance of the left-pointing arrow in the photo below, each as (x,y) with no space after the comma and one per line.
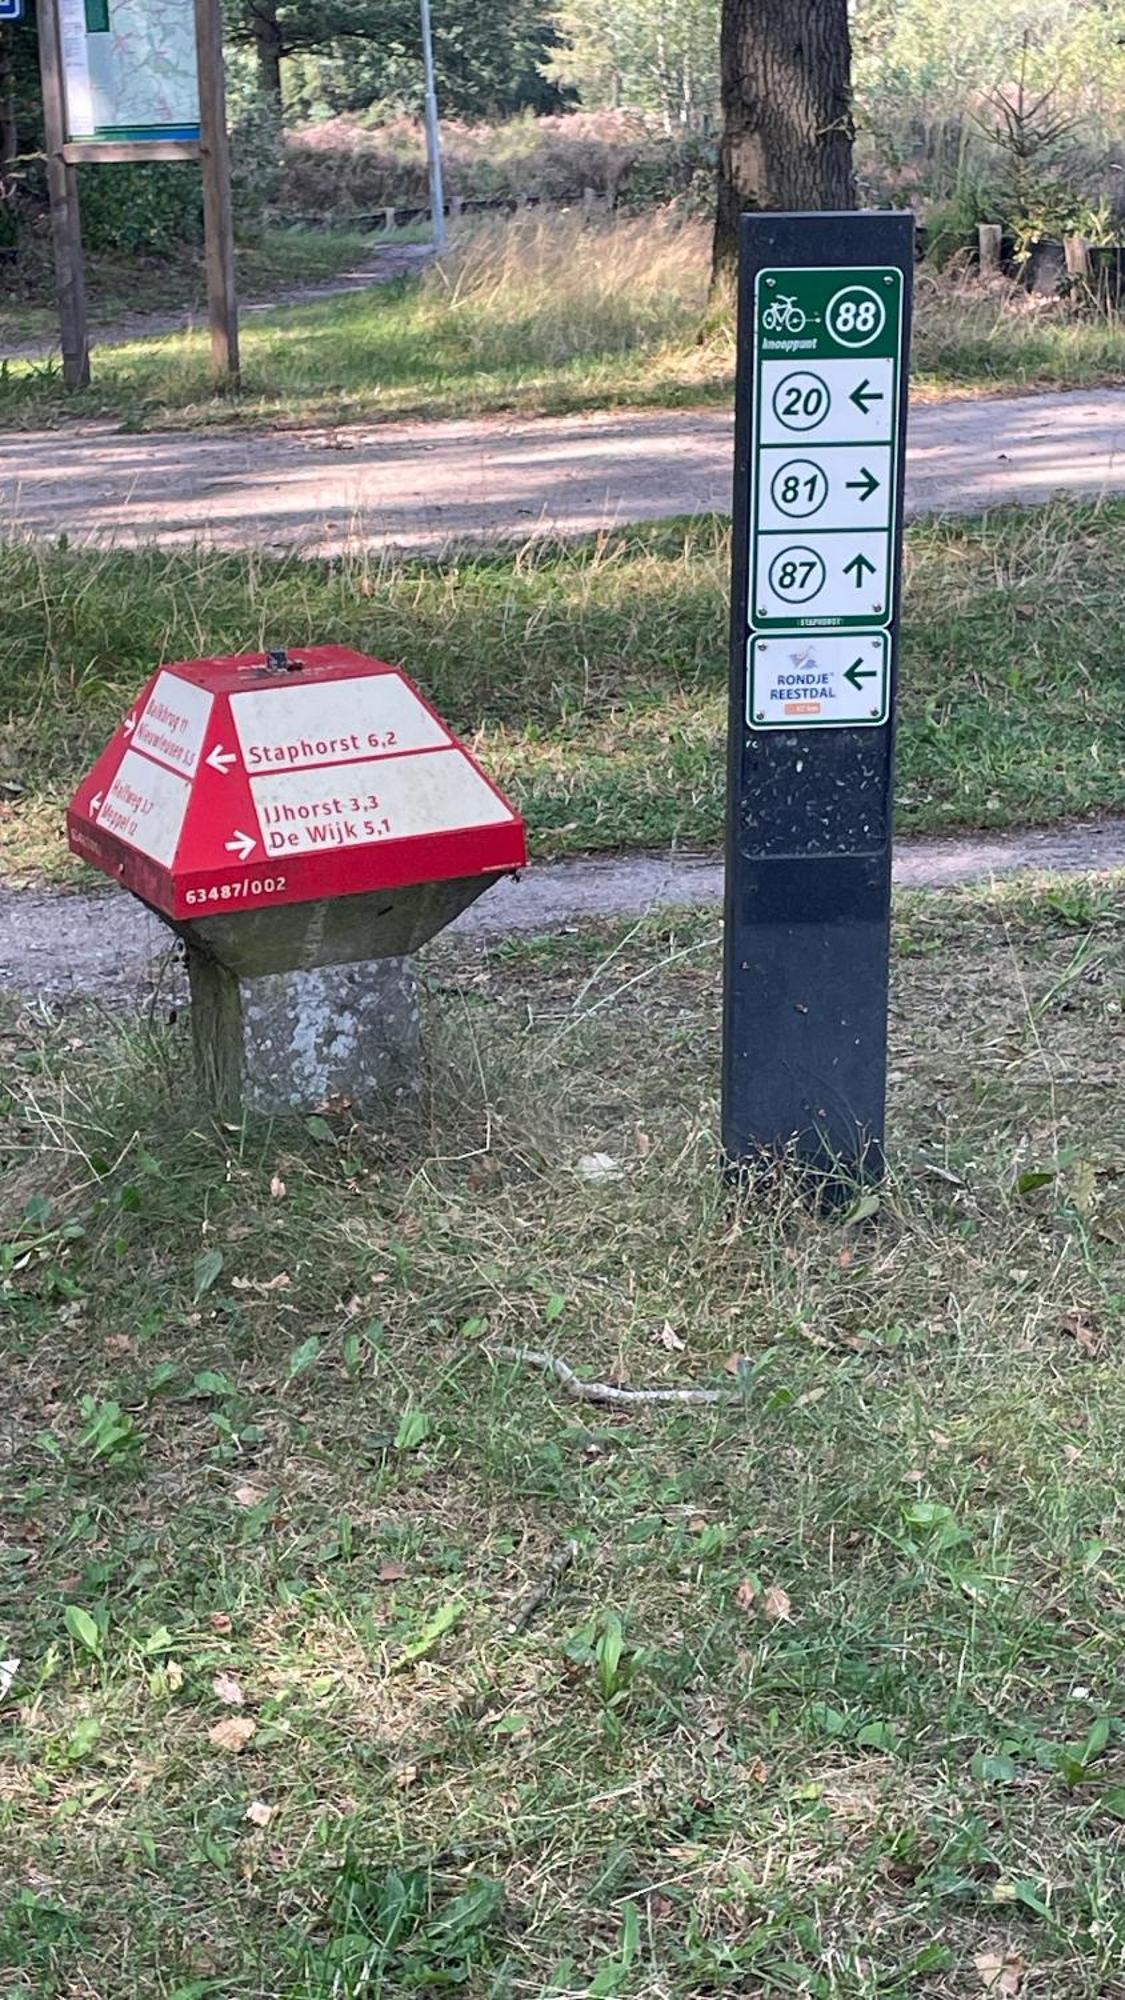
(129,724)
(857,673)
(220,759)
(242,845)
(96,804)
(856,568)
(863,395)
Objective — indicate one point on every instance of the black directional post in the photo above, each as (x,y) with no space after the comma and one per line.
(824,329)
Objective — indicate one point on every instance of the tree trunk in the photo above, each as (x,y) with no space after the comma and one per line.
(268,48)
(787,122)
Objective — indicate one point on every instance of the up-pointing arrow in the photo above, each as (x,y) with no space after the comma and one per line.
(865,485)
(856,568)
(863,395)
(242,845)
(857,673)
(220,759)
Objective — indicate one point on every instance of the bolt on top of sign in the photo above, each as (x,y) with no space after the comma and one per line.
(249,781)
(823,495)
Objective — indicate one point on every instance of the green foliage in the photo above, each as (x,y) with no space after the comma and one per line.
(145,209)
(929,77)
(661,55)
(345,55)
(397,1933)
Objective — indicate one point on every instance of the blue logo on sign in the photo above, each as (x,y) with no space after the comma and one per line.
(11,10)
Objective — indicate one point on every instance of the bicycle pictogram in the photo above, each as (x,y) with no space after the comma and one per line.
(783,315)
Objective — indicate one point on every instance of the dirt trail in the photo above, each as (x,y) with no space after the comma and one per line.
(385,263)
(415,486)
(54,943)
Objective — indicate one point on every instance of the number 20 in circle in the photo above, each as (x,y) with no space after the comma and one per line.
(801,400)
(796,574)
(856,316)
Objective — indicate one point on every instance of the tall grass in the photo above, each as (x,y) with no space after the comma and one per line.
(547,313)
(547,289)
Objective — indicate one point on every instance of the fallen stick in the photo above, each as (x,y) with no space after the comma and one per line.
(607,1392)
(537,1598)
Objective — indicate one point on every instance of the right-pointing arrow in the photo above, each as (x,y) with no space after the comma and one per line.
(857,673)
(243,844)
(865,485)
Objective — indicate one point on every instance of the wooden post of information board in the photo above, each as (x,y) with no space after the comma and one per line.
(62,186)
(218,223)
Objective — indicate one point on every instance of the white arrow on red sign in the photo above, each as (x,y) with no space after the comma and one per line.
(96,804)
(129,724)
(243,845)
(220,759)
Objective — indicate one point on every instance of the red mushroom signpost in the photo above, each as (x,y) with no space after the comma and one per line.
(285,814)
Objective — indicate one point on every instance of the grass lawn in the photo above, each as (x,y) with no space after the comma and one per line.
(121,286)
(546,316)
(346,1657)
(592,679)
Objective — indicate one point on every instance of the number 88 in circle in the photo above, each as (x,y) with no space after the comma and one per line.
(856,316)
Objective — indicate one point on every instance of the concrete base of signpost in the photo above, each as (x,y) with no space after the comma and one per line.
(291,1041)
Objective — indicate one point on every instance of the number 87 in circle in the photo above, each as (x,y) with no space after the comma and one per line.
(796,574)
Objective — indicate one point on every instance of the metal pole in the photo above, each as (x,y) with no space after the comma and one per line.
(433,132)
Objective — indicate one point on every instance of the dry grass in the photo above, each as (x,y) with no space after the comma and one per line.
(343,166)
(545,313)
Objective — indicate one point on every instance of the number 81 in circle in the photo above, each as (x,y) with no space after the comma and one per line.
(855,316)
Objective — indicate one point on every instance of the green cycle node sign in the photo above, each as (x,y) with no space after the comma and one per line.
(824,501)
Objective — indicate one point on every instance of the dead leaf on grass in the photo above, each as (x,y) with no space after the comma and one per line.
(1083,1329)
(1001,1973)
(249,1496)
(220,1621)
(228,1690)
(277,1188)
(259,1813)
(746,1596)
(735,1363)
(777,1605)
(669,1338)
(233,1733)
(390,1573)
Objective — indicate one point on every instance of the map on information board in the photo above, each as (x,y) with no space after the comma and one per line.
(130,69)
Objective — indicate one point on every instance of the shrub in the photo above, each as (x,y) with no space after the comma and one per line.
(344,167)
(143,209)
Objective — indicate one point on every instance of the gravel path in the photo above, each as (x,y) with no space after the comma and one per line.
(415,486)
(54,943)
